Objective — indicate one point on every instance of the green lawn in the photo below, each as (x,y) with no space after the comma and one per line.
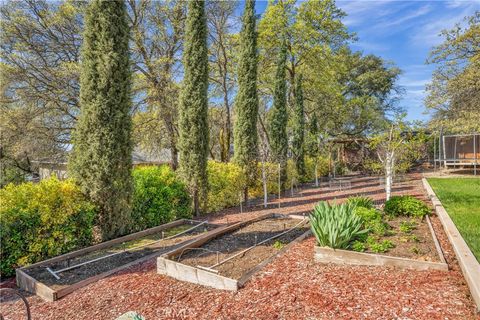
(461,198)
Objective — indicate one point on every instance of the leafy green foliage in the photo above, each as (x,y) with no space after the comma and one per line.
(336,226)
(406,206)
(372,220)
(39,221)
(159,197)
(278,245)
(101,159)
(279,117)
(379,246)
(226,182)
(298,139)
(361,201)
(407,226)
(454,93)
(359,246)
(246,101)
(193,122)
(315,163)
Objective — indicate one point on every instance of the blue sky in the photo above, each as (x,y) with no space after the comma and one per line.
(403,32)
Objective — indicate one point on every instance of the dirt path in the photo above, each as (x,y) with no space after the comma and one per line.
(291,287)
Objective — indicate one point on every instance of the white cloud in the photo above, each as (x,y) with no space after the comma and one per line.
(427,34)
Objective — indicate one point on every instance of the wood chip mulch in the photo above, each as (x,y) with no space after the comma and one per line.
(291,287)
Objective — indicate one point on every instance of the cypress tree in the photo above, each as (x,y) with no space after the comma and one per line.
(279,117)
(246,101)
(193,117)
(298,148)
(311,143)
(101,158)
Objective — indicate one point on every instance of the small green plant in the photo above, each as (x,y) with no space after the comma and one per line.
(414,238)
(278,245)
(336,226)
(407,226)
(359,246)
(415,250)
(361,201)
(406,206)
(377,246)
(372,220)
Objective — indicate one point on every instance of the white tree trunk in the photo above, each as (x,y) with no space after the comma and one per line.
(388,174)
(316,174)
(264,182)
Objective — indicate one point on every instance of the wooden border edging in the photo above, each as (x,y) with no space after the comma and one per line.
(346,257)
(183,272)
(30,284)
(467,261)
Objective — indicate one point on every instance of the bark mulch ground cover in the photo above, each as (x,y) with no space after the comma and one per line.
(293,286)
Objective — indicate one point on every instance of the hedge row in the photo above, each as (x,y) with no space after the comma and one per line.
(39,221)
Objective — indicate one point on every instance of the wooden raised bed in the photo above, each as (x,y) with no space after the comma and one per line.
(28,282)
(347,257)
(167,264)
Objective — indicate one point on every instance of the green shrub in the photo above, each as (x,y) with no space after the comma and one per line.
(336,226)
(368,214)
(372,220)
(322,168)
(226,182)
(406,206)
(361,201)
(159,197)
(271,170)
(39,221)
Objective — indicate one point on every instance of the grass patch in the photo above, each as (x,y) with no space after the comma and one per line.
(461,198)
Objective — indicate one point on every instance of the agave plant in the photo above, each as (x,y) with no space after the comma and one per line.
(336,226)
(361,201)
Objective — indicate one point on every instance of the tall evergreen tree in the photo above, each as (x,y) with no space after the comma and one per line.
(246,101)
(193,120)
(101,159)
(279,117)
(298,141)
(311,141)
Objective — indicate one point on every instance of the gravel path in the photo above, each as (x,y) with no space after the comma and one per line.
(291,287)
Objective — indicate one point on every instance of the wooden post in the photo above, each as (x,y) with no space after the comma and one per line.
(475,154)
(444,153)
(455,154)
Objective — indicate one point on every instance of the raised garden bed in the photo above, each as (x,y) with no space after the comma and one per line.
(416,249)
(54,278)
(228,257)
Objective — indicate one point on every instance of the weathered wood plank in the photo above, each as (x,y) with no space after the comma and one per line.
(31,285)
(345,257)
(467,261)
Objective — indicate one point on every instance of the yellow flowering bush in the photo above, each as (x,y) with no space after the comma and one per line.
(39,221)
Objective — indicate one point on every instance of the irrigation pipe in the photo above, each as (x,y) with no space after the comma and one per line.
(261,242)
(55,272)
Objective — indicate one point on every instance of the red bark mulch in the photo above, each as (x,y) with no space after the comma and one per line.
(291,287)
